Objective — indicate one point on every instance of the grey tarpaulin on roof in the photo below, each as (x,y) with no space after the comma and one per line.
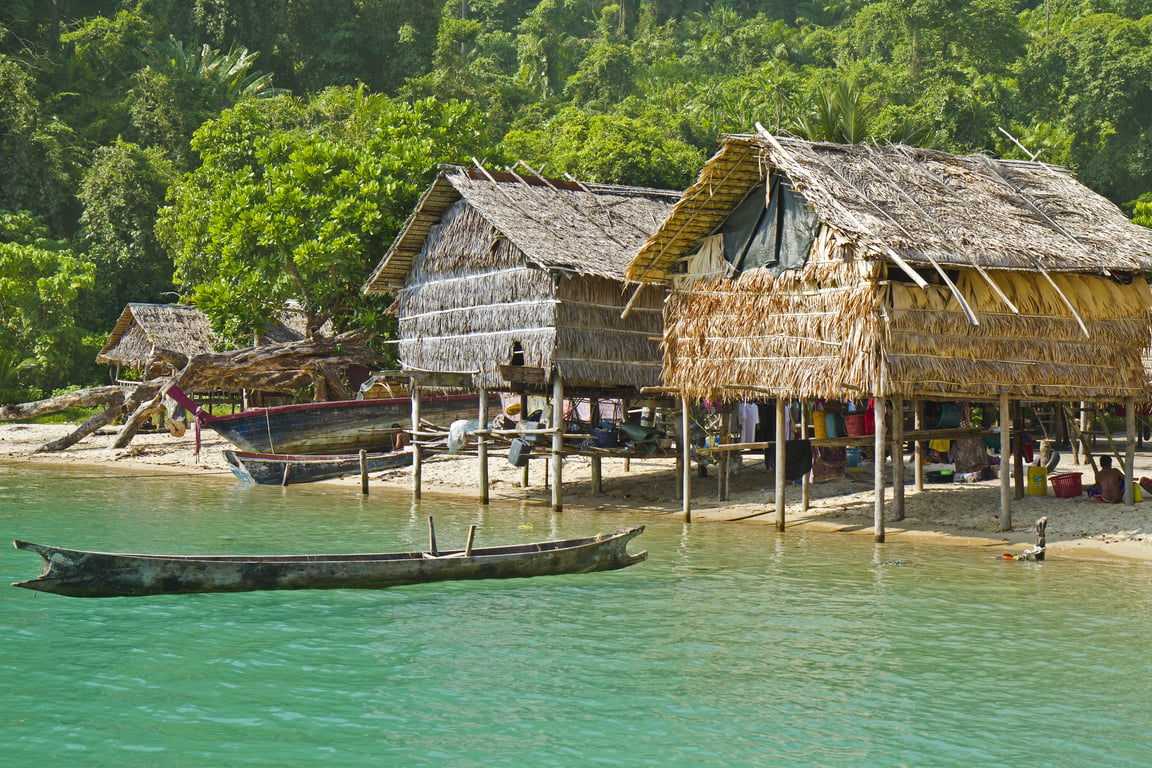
(778,235)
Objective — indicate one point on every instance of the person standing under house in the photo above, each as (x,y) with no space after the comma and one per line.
(1110,482)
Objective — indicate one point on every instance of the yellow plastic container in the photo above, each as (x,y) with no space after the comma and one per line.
(1037,481)
(820,425)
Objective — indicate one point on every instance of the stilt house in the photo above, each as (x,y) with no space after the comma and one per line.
(518,278)
(807,270)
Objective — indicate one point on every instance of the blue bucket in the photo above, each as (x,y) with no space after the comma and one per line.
(853,457)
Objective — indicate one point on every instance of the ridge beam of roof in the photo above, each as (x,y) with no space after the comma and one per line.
(896,258)
(939,230)
(652,261)
(508,197)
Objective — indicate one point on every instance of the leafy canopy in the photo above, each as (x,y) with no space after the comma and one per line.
(299,201)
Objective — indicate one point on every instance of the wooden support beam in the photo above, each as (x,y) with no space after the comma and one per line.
(557,443)
(524,415)
(1130,452)
(686,458)
(897,458)
(446,379)
(781,438)
(519,374)
(416,449)
(482,447)
(1005,463)
(806,488)
(878,469)
(918,446)
(594,418)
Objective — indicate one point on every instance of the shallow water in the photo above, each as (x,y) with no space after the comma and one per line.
(730,646)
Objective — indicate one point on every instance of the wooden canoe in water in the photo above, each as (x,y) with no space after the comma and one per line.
(285,469)
(77,573)
(339,426)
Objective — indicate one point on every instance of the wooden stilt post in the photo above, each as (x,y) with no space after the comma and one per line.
(1005,463)
(725,458)
(594,417)
(686,455)
(363,471)
(1130,452)
(624,406)
(780,440)
(878,468)
(918,446)
(1018,454)
(482,447)
(416,450)
(524,415)
(806,487)
(557,442)
(897,458)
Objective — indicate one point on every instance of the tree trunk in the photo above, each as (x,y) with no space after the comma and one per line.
(81,398)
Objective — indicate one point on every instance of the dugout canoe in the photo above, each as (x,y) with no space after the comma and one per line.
(335,427)
(289,469)
(77,573)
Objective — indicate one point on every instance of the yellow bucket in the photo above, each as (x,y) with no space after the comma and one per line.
(820,424)
(1037,481)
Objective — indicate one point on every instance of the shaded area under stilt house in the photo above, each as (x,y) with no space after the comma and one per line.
(505,281)
(806,271)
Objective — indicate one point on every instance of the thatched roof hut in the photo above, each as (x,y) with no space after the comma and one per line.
(828,271)
(504,269)
(147,335)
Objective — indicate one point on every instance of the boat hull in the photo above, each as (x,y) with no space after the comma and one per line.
(337,427)
(288,469)
(78,573)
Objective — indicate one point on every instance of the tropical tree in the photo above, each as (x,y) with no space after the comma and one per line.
(296,201)
(41,280)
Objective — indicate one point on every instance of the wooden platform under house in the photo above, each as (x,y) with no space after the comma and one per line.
(505,281)
(804,271)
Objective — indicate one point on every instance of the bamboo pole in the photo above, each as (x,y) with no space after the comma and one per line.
(594,418)
(686,456)
(1005,463)
(918,446)
(806,486)
(878,468)
(482,448)
(524,415)
(416,451)
(897,458)
(471,537)
(780,440)
(1130,452)
(557,442)
(363,472)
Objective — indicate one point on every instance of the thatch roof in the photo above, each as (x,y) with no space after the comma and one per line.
(142,328)
(588,229)
(929,275)
(920,206)
(145,328)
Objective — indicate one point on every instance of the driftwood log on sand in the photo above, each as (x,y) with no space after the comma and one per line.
(276,368)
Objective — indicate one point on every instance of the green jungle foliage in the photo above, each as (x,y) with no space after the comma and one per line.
(238,153)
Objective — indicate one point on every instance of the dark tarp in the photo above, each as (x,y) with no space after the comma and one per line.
(778,235)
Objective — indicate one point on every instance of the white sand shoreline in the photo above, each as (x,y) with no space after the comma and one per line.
(958,515)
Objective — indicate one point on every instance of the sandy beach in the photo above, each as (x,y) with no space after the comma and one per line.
(961,514)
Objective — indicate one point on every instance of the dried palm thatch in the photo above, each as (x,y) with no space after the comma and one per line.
(838,329)
(1031,306)
(496,268)
(924,206)
(160,338)
(144,328)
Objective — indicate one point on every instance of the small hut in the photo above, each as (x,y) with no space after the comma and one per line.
(808,270)
(515,281)
(147,335)
(158,339)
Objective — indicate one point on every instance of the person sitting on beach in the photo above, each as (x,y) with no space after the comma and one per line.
(400,438)
(1109,481)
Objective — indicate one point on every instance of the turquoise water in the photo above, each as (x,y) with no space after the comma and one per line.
(730,646)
